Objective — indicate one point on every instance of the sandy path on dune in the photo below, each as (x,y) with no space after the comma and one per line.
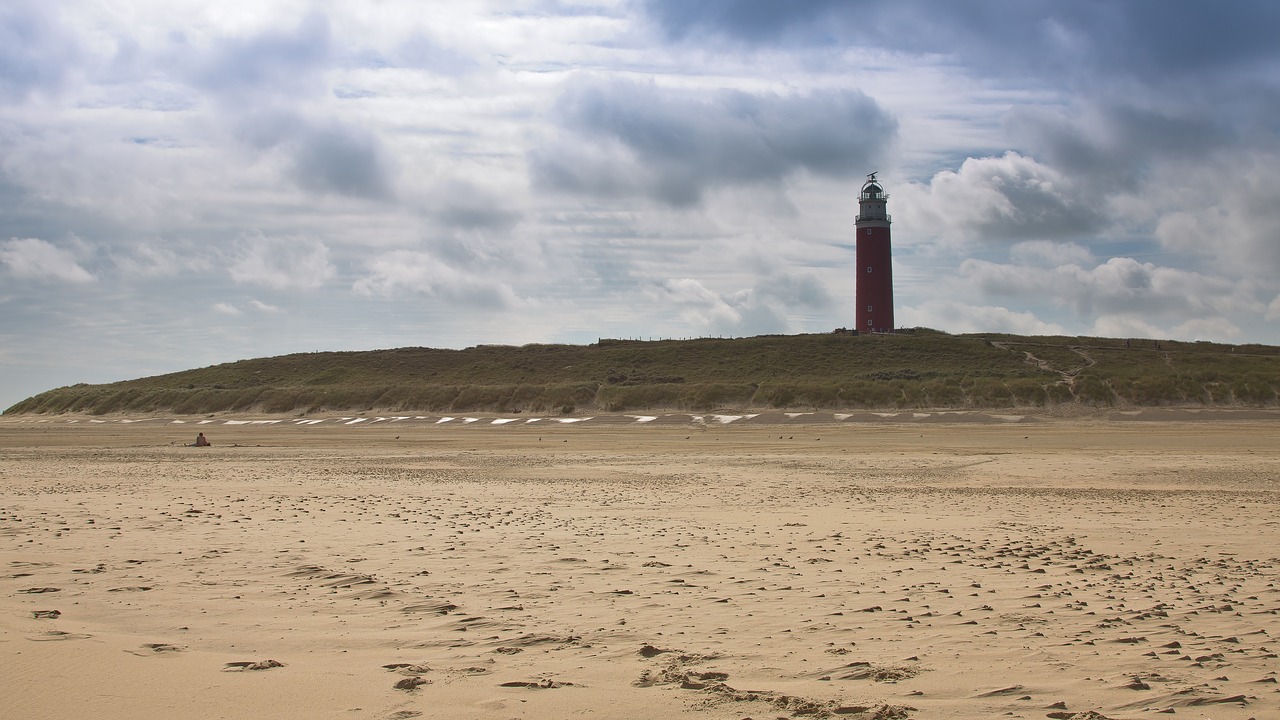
(1039,569)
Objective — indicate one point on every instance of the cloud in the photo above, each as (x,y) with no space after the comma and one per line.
(1120,286)
(160,259)
(1145,40)
(960,317)
(1109,141)
(36,54)
(1217,329)
(1011,197)
(342,160)
(271,61)
(226,309)
(754,21)
(409,272)
(271,88)
(37,259)
(766,307)
(1273,309)
(319,155)
(619,138)
(281,263)
(264,307)
(1046,253)
(1226,217)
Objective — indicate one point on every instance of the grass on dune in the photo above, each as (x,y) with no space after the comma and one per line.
(918,369)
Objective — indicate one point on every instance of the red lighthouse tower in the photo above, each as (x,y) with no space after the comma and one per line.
(874,286)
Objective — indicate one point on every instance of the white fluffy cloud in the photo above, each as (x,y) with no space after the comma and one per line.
(33,258)
(281,263)
(411,273)
(957,316)
(1001,199)
(760,309)
(1118,286)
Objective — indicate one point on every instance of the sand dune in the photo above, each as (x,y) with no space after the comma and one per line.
(1032,568)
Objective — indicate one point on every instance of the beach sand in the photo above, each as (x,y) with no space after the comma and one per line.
(1079,568)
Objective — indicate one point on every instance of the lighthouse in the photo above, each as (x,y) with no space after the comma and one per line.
(874,286)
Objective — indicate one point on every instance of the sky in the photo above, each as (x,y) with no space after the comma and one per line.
(189,183)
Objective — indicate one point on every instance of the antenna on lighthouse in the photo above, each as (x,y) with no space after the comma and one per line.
(871,177)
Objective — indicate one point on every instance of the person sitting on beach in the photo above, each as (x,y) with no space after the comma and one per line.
(201,441)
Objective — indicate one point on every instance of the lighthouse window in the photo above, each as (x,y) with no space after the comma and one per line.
(868,308)
(868,268)
(868,322)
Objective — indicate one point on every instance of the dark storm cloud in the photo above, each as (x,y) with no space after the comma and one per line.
(1113,142)
(757,21)
(342,160)
(1152,39)
(619,138)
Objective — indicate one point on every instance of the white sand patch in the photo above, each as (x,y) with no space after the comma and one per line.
(726,419)
(644,418)
(793,416)
(532,420)
(842,416)
(503,421)
(445,420)
(97,422)
(355,421)
(469,420)
(921,415)
(236,422)
(178,422)
(263,422)
(573,420)
(307,422)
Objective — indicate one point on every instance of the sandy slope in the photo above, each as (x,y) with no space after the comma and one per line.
(1036,569)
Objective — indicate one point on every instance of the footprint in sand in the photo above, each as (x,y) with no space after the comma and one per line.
(543,684)
(252,665)
(411,683)
(58,635)
(407,668)
(149,649)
